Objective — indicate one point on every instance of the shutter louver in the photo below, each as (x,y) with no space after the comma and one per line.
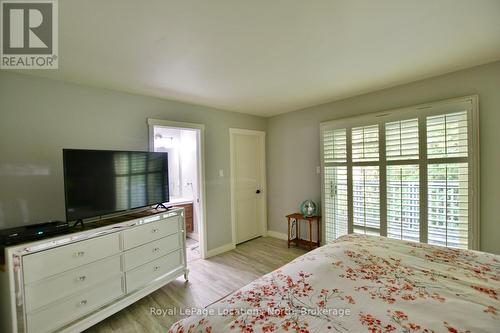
(448,212)
(447,135)
(335,210)
(403,206)
(401,139)
(366,199)
(365,144)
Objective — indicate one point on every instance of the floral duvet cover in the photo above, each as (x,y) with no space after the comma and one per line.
(365,284)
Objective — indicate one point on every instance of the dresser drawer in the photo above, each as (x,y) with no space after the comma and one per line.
(149,272)
(47,263)
(149,232)
(49,290)
(64,312)
(151,251)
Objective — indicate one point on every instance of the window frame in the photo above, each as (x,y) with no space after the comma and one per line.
(421,111)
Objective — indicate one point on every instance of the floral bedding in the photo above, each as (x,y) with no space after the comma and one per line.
(365,284)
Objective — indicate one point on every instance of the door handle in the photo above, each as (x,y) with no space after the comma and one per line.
(258,191)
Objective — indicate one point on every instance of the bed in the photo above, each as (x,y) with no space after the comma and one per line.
(365,284)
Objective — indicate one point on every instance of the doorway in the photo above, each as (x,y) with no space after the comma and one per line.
(184,144)
(248,184)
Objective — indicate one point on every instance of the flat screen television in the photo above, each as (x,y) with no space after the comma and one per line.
(102,182)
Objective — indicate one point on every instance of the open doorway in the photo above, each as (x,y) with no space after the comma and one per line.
(183,142)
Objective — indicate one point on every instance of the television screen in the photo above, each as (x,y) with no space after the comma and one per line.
(100,182)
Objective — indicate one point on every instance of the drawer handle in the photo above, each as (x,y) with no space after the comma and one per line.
(79,254)
(155,231)
(156,268)
(84,302)
(82,278)
(156,249)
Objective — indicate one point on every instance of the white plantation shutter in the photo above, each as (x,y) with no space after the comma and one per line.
(403,182)
(365,143)
(403,205)
(366,199)
(408,174)
(448,183)
(335,144)
(447,135)
(335,182)
(448,204)
(401,139)
(336,209)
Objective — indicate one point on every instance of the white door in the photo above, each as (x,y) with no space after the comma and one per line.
(247,183)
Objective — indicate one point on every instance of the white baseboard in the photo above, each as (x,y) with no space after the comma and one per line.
(276,234)
(220,249)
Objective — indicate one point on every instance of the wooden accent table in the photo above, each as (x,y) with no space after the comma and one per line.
(296,218)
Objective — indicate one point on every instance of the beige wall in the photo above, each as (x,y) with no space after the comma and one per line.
(39,117)
(293,142)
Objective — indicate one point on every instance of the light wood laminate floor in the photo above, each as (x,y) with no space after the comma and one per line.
(209,281)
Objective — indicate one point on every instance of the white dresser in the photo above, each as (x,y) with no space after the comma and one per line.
(69,283)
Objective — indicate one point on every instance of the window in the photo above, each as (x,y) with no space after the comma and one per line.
(408,174)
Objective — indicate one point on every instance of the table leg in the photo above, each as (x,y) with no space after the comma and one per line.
(288,232)
(319,232)
(297,237)
(310,235)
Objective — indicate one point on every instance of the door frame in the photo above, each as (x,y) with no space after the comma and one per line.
(263,183)
(200,168)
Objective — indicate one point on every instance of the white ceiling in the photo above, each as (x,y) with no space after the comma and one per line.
(267,57)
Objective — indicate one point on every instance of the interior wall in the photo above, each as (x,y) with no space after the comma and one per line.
(293,139)
(39,117)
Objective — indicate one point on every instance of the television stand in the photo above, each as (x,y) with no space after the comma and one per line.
(78,222)
(160,205)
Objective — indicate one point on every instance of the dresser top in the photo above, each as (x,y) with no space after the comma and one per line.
(90,230)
